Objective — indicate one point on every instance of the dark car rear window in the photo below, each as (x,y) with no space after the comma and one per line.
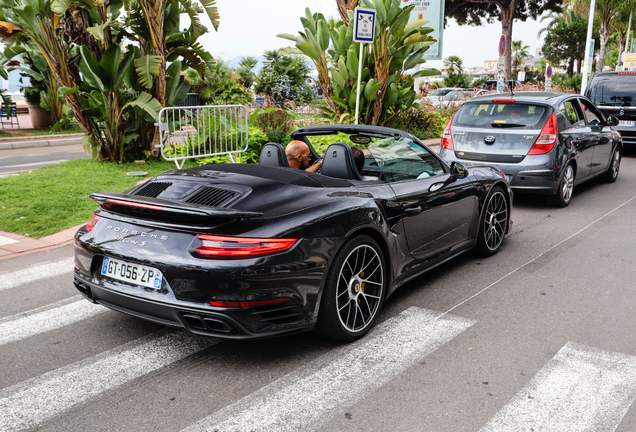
(614,90)
(502,115)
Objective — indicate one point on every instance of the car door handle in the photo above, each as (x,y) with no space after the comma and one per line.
(412,209)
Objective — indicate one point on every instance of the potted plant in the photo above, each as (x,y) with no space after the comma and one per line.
(40,118)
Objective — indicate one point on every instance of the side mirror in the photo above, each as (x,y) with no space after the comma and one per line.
(458,170)
(612,121)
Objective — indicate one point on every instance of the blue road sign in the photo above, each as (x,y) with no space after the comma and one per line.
(502,45)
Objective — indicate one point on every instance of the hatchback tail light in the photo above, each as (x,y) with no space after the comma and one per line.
(547,138)
(214,246)
(447,138)
(91,224)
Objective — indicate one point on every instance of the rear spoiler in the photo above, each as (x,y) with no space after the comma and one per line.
(158,209)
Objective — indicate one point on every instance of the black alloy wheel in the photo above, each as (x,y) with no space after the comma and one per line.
(493,224)
(354,290)
(611,174)
(566,187)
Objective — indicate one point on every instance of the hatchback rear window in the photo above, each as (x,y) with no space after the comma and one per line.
(614,90)
(502,115)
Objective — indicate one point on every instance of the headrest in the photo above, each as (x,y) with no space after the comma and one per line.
(273,154)
(338,162)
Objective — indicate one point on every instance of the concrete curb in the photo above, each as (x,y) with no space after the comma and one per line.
(37,141)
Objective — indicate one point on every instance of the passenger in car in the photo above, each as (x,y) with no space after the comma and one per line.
(298,156)
(358,157)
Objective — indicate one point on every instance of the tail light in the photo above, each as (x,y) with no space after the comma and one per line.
(547,138)
(236,304)
(214,246)
(447,138)
(91,224)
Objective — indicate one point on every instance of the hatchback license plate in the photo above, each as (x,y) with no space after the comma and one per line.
(133,273)
(626,123)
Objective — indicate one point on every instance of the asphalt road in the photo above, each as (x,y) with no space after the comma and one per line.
(539,337)
(25,159)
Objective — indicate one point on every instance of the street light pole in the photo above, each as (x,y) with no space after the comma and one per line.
(588,42)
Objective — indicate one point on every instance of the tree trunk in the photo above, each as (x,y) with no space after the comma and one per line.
(622,38)
(579,64)
(571,67)
(604,34)
(507,18)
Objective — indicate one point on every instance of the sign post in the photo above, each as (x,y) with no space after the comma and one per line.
(548,78)
(501,65)
(363,32)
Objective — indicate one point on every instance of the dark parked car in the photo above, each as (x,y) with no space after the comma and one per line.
(614,93)
(545,143)
(255,250)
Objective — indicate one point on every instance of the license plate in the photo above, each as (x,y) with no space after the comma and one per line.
(132,273)
(626,123)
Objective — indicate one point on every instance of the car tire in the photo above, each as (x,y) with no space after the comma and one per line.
(566,187)
(611,174)
(354,290)
(494,223)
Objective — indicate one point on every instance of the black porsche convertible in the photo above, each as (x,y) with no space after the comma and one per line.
(260,250)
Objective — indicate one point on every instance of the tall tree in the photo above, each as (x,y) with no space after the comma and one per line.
(619,27)
(605,11)
(475,12)
(565,43)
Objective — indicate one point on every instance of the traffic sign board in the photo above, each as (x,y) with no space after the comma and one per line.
(548,71)
(364,25)
(502,45)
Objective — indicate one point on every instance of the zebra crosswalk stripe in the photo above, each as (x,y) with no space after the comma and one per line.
(580,389)
(36,322)
(301,401)
(35,273)
(31,402)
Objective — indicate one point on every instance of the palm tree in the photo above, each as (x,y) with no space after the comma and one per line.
(453,66)
(519,52)
(245,70)
(605,11)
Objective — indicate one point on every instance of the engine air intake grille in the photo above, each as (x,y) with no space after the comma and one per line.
(153,189)
(212,197)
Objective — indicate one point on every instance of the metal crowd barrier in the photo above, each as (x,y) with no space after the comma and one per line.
(189,132)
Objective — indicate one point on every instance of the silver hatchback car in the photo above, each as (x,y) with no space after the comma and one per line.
(545,143)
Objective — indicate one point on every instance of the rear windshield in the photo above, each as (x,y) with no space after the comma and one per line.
(502,115)
(614,90)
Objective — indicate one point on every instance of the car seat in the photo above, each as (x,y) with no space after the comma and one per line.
(273,154)
(338,162)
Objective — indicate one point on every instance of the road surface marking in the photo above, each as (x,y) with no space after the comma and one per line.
(35,273)
(77,151)
(6,241)
(36,163)
(538,256)
(580,389)
(41,154)
(303,400)
(34,401)
(53,316)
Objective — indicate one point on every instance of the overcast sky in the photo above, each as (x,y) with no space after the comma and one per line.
(249,27)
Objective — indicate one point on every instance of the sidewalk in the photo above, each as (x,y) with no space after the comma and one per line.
(14,245)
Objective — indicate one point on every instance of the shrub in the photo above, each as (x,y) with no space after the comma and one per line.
(424,120)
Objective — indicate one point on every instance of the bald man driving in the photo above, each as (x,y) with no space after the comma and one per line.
(298,156)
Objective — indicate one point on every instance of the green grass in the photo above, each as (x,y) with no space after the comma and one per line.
(48,200)
(37,132)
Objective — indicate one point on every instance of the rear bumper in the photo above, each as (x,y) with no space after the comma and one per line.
(228,323)
(535,174)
